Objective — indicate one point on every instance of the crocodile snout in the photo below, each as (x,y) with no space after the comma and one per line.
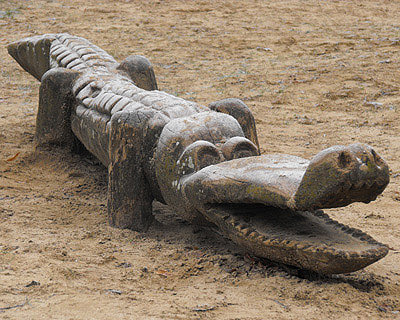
(341,175)
(371,167)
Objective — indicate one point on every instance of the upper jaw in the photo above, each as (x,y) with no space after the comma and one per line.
(341,175)
(335,177)
(270,180)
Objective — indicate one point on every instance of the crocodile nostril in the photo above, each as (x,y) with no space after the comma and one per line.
(344,159)
(377,158)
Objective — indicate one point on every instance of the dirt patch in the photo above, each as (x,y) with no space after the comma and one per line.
(315,74)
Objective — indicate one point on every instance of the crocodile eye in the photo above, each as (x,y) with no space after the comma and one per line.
(207,156)
(198,155)
(239,147)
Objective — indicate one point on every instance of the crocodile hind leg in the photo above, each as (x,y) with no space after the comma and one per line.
(53,122)
(237,109)
(129,195)
(140,71)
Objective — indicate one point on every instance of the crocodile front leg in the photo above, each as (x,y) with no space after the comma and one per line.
(53,122)
(129,195)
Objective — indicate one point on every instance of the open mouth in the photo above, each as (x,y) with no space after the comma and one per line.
(309,240)
(266,204)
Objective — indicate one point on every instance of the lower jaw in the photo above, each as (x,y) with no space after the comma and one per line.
(308,240)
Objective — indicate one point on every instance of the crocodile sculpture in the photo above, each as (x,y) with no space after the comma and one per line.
(204,162)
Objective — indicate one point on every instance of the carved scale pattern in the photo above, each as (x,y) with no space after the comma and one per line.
(102,89)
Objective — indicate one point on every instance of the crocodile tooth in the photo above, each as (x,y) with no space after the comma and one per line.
(273,241)
(289,243)
(225,217)
(236,223)
(239,227)
(246,231)
(304,246)
(253,234)
(268,242)
(260,237)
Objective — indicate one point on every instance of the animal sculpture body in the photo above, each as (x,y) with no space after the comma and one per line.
(202,161)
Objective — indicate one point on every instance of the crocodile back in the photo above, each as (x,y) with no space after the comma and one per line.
(100,87)
(101,90)
(38,54)
(79,54)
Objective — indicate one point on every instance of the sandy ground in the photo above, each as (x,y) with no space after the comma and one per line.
(315,74)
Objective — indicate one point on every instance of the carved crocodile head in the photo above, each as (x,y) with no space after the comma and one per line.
(208,171)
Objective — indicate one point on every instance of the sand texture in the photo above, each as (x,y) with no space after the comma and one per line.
(315,74)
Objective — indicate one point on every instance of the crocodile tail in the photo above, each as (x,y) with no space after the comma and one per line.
(41,53)
(33,53)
